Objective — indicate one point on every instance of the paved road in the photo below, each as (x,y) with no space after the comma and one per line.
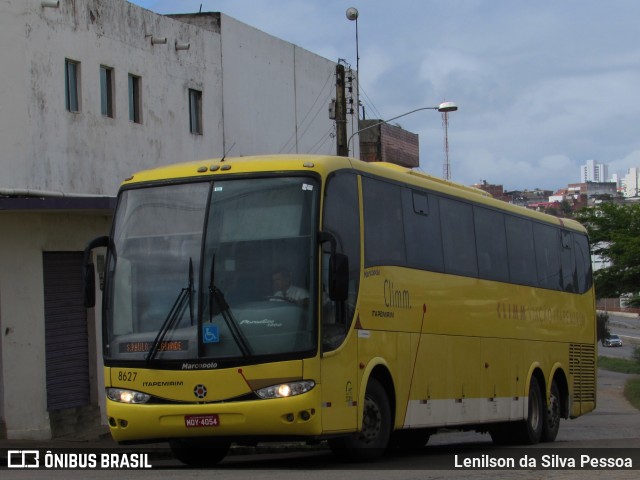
(628,328)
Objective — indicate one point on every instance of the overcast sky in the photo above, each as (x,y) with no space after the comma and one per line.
(542,86)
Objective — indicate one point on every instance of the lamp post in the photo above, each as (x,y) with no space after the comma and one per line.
(444,107)
(352,14)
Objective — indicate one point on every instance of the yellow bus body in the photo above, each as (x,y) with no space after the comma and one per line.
(456,351)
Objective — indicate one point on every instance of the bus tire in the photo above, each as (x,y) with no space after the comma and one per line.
(199,452)
(373,438)
(551,423)
(529,431)
(412,439)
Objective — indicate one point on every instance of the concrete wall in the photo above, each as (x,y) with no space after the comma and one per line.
(85,152)
(292,115)
(260,93)
(24,237)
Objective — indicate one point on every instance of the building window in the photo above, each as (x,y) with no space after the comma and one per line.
(195,111)
(135,100)
(106,91)
(72,85)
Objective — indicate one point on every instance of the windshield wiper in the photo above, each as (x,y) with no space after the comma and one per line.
(185,298)
(216,295)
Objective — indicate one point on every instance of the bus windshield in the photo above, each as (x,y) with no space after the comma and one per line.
(217,271)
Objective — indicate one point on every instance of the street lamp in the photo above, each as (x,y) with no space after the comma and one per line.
(352,15)
(444,107)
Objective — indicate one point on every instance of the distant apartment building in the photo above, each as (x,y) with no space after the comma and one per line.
(631,183)
(496,191)
(594,189)
(594,172)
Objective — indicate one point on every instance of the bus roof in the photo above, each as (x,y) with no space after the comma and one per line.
(324,165)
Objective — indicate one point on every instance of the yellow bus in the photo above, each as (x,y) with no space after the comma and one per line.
(318,298)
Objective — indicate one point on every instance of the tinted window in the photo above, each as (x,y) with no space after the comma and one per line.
(458,238)
(583,261)
(342,220)
(383,226)
(492,244)
(522,260)
(568,263)
(422,231)
(547,242)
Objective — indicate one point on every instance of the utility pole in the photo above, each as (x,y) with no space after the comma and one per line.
(341,113)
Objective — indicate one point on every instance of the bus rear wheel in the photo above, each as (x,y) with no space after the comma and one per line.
(199,452)
(529,431)
(373,438)
(551,423)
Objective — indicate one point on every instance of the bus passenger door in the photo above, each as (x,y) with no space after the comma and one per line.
(340,387)
(340,242)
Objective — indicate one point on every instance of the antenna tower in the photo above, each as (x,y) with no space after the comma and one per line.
(446,166)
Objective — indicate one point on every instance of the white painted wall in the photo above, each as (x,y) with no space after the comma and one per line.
(276,95)
(24,237)
(264,94)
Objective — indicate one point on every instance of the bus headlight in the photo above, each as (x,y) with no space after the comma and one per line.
(284,390)
(127,396)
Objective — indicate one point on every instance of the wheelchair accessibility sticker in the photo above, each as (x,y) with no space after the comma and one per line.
(210,334)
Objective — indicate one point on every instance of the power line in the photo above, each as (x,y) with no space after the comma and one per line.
(286,146)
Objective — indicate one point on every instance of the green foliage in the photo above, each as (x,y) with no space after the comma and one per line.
(614,231)
(632,392)
(634,301)
(603,325)
(620,365)
(636,354)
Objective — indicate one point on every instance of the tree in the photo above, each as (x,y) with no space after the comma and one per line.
(602,326)
(614,231)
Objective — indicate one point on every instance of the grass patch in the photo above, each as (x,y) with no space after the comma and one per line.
(620,365)
(632,392)
(623,365)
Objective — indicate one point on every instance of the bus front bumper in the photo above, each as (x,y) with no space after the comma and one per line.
(297,416)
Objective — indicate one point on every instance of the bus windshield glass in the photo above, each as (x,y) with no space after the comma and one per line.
(218,271)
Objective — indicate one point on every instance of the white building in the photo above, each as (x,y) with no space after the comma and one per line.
(91,91)
(594,172)
(631,182)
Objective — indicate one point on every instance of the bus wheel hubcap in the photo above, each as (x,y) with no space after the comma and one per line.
(371,421)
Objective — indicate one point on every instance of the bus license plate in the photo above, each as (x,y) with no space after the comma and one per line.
(196,421)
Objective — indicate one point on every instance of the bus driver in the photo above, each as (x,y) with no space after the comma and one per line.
(284,290)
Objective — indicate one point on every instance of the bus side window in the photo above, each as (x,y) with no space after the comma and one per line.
(383,223)
(491,241)
(522,258)
(568,262)
(458,238)
(547,248)
(423,240)
(583,262)
(341,218)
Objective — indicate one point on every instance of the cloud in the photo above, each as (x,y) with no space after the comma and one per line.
(541,86)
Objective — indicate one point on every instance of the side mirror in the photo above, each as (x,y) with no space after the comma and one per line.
(338,277)
(338,270)
(90,271)
(89,286)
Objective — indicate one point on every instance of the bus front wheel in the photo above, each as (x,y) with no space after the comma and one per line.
(373,438)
